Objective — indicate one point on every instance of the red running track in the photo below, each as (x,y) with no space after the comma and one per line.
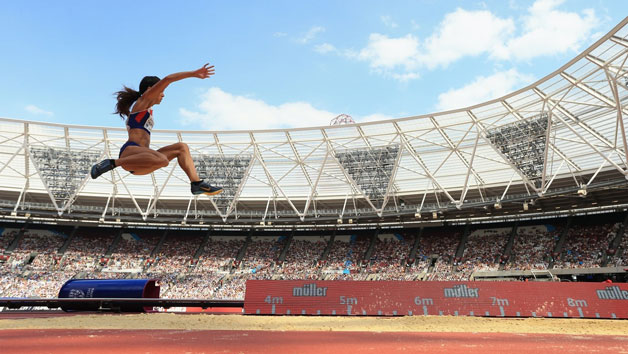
(274,342)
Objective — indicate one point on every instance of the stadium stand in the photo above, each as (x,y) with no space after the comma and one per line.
(190,265)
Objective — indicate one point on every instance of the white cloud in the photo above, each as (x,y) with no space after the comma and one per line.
(311,34)
(324,48)
(465,33)
(461,33)
(482,89)
(37,111)
(548,31)
(279,34)
(384,52)
(388,21)
(541,30)
(220,110)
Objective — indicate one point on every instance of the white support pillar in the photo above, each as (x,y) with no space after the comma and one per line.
(620,116)
(466,179)
(313,190)
(156,199)
(354,186)
(27,158)
(525,179)
(271,180)
(418,160)
(391,181)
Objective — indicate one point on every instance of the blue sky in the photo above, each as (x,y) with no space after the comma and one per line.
(283,64)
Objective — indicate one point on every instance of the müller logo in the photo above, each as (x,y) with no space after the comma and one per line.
(612,293)
(309,290)
(461,291)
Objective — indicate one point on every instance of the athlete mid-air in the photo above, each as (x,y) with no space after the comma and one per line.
(135,155)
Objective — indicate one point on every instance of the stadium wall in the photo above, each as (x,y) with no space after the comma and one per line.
(397,298)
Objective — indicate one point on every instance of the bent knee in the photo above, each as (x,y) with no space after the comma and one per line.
(183,147)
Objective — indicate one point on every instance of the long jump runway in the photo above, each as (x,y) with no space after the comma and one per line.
(231,341)
(203,333)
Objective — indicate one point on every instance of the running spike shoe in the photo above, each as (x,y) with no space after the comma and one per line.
(101,167)
(205,188)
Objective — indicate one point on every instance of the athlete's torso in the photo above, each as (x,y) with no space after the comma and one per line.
(139,125)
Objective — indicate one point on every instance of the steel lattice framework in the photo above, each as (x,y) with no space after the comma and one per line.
(567,130)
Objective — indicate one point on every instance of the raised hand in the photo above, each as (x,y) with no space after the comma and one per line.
(204,72)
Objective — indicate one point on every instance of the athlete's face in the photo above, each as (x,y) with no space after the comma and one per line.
(161,97)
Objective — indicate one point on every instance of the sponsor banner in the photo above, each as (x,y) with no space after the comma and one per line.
(399,298)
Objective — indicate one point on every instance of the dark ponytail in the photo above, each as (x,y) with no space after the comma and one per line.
(125,98)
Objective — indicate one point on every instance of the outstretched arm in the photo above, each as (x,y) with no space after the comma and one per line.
(154,91)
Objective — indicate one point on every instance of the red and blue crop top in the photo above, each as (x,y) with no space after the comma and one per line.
(141,120)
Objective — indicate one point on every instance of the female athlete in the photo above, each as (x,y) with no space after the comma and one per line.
(135,155)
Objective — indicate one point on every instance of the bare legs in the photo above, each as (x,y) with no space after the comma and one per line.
(184,158)
(143,160)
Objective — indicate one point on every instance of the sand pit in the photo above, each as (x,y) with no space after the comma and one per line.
(322,323)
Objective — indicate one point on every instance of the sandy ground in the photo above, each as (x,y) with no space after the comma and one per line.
(322,323)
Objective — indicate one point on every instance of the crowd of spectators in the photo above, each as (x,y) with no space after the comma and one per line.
(390,260)
(37,249)
(444,270)
(440,244)
(621,257)
(302,259)
(85,251)
(35,270)
(219,253)
(483,250)
(346,255)
(44,284)
(132,251)
(585,244)
(532,247)
(175,254)
(260,261)
(191,285)
(6,238)
(261,255)
(232,287)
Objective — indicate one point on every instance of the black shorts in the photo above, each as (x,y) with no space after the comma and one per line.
(127,144)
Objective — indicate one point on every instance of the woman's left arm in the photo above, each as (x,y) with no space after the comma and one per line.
(202,73)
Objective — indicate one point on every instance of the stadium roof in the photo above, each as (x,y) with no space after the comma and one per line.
(563,135)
